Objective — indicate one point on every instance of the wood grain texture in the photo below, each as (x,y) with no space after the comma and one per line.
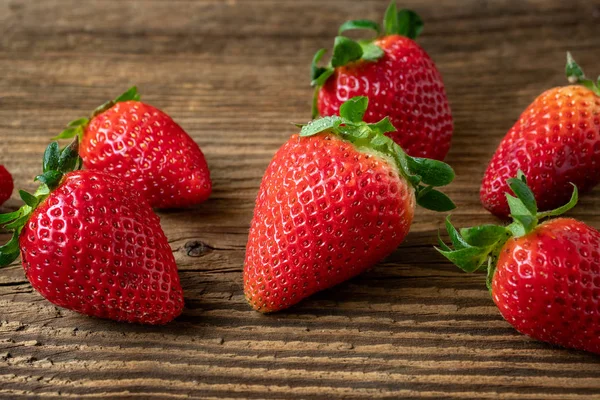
(234,73)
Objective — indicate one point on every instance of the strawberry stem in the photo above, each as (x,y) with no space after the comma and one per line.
(423,174)
(479,246)
(359,24)
(575,75)
(55,165)
(345,50)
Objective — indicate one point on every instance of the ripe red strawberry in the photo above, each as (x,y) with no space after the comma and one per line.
(334,201)
(554,142)
(145,147)
(399,78)
(6,185)
(92,244)
(545,279)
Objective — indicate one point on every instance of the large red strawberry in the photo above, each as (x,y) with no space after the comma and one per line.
(143,146)
(6,185)
(334,201)
(92,244)
(556,141)
(545,278)
(397,75)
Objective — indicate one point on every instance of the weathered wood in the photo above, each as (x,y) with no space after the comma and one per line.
(233,74)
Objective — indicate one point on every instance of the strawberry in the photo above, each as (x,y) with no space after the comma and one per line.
(554,142)
(544,278)
(397,75)
(91,243)
(6,185)
(335,200)
(144,146)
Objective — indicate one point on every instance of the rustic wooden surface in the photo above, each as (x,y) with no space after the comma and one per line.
(233,73)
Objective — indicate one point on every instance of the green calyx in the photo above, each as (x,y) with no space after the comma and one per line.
(480,246)
(56,164)
(422,173)
(345,50)
(77,127)
(402,22)
(575,75)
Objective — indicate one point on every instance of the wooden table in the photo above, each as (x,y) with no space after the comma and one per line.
(234,73)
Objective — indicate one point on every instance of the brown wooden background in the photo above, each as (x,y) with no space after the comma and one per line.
(234,73)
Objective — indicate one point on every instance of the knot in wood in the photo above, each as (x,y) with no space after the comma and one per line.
(196,248)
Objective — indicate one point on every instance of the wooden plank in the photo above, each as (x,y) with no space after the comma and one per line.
(233,73)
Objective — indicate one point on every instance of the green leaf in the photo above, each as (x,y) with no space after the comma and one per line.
(524,194)
(469,259)
(345,50)
(69,157)
(561,210)
(315,70)
(371,52)
(402,160)
(103,107)
(432,172)
(7,258)
(410,24)
(9,217)
(359,24)
(354,109)
(320,81)
(404,22)
(516,229)
(10,251)
(442,244)
(586,83)
(50,178)
(51,157)
(524,220)
(522,225)
(381,143)
(390,19)
(78,122)
(484,235)
(575,75)
(355,133)
(29,199)
(573,70)
(18,223)
(319,75)
(436,201)
(491,270)
(70,133)
(383,126)
(457,241)
(42,190)
(516,206)
(12,244)
(528,221)
(130,94)
(320,125)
